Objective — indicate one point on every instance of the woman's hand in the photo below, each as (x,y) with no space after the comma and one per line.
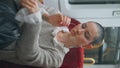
(59,20)
(31,5)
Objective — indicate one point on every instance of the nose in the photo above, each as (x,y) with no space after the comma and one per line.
(77,31)
(81,31)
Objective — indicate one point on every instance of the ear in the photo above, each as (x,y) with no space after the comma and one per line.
(89,46)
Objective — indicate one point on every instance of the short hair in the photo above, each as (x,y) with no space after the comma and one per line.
(100,38)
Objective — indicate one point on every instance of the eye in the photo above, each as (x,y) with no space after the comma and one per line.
(84,25)
(87,35)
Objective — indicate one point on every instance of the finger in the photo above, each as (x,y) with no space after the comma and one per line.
(34,2)
(65,21)
(62,18)
(26,6)
(30,3)
(57,19)
(68,21)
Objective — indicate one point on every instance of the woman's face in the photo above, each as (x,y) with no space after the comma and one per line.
(84,33)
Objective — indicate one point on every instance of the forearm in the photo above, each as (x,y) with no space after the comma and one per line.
(56,18)
(28,42)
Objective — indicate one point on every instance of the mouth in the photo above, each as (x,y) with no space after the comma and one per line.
(72,32)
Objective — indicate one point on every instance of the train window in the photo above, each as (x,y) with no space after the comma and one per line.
(107,15)
(109,52)
(94,1)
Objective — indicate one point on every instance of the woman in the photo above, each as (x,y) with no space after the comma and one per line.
(41,49)
(37,47)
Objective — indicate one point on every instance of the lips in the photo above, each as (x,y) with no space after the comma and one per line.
(73,32)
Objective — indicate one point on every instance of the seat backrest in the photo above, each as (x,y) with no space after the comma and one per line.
(74,58)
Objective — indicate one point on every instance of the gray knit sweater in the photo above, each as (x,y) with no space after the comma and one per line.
(31,51)
(35,47)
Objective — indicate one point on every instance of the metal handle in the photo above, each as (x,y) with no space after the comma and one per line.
(91,60)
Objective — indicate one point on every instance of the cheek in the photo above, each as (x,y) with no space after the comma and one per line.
(83,40)
(77,27)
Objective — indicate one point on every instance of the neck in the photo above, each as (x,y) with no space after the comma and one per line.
(66,38)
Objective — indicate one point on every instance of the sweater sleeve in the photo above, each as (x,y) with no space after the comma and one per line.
(30,53)
(24,16)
